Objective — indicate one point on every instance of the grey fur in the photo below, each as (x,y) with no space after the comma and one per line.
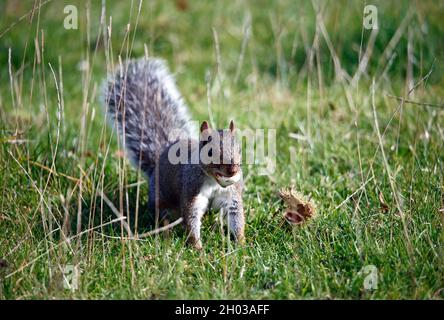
(142,95)
(150,114)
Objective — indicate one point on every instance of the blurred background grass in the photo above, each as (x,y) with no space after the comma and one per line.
(181,31)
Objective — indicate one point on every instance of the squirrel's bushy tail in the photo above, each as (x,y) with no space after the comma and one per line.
(143,100)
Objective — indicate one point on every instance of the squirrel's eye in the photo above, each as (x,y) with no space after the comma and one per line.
(205,142)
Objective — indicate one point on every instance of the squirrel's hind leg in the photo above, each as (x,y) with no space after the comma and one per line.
(156,207)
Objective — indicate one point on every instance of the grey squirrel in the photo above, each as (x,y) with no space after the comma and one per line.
(151,116)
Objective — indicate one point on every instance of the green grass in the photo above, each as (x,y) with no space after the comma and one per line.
(369,211)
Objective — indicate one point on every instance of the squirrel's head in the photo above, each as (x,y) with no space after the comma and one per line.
(220,155)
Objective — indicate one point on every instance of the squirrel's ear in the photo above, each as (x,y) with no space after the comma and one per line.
(231,125)
(204,126)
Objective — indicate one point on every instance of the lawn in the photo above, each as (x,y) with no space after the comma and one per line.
(359,120)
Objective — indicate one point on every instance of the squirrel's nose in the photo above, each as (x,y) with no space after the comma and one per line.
(231,170)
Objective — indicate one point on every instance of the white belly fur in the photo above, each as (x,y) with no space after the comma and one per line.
(217,196)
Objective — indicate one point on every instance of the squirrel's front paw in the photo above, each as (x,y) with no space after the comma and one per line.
(240,239)
(196,244)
